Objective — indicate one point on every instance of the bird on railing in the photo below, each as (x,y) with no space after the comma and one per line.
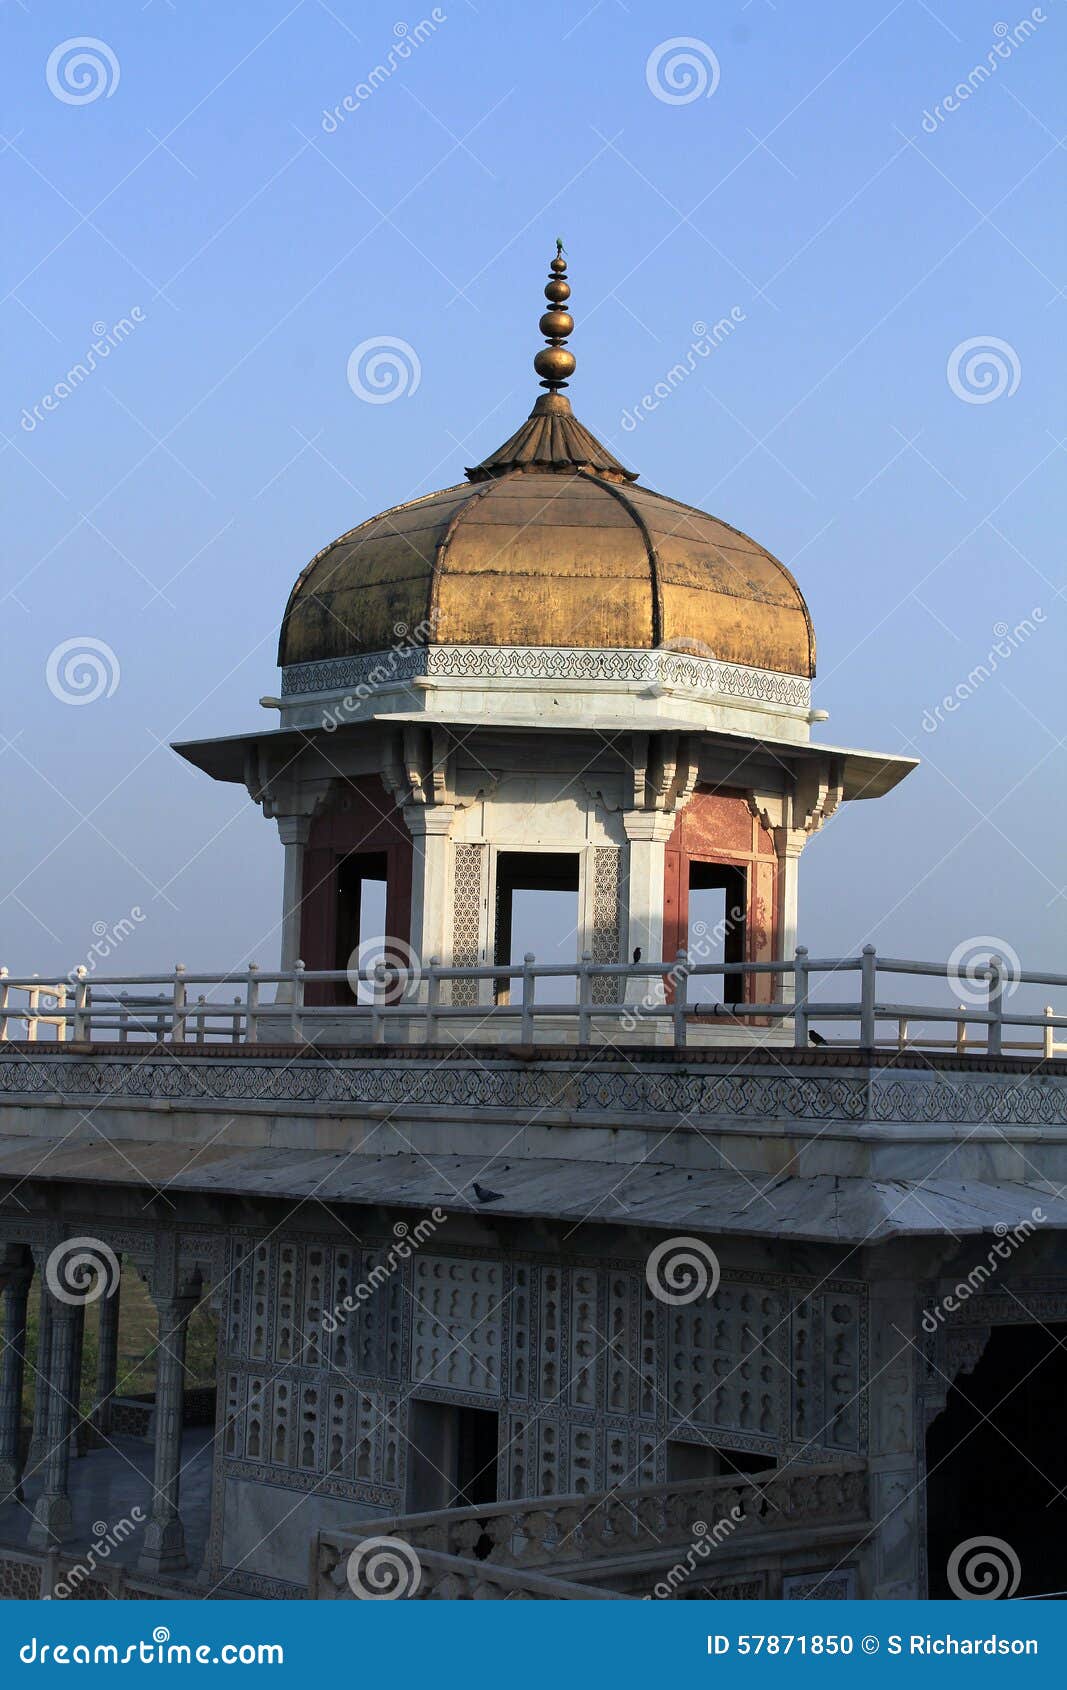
(816,1038)
(483,1195)
(637,953)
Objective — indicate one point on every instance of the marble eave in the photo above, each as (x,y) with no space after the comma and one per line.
(864,774)
(657,1195)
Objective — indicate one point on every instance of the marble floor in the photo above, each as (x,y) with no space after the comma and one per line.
(106,1483)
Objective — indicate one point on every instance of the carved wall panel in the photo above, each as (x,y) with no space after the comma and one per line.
(467,910)
(605,946)
(326,1341)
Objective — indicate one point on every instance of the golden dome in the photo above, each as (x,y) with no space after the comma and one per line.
(549,543)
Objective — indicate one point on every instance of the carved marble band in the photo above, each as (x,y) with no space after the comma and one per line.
(549,663)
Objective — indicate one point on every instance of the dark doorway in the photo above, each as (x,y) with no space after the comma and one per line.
(453,1455)
(712,1461)
(537,911)
(716,932)
(361,890)
(997,1463)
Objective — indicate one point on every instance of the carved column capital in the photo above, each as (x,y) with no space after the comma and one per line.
(293,829)
(651,827)
(429,821)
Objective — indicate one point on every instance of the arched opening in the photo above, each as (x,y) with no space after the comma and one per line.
(997,1462)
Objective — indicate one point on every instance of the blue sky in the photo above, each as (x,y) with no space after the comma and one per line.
(165,506)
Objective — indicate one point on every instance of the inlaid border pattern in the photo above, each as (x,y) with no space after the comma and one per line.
(550,663)
(610,1087)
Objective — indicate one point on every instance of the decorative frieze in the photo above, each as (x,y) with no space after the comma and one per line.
(582,665)
(759,1092)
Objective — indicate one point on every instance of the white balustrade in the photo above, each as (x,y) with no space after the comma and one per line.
(546,1003)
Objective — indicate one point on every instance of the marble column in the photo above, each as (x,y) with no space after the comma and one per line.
(12,1375)
(107,1359)
(789,842)
(431,881)
(52,1516)
(42,1374)
(891,1555)
(647,832)
(164,1538)
(293,831)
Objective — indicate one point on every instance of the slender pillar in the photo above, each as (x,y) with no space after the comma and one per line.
(107,1359)
(164,1539)
(789,842)
(52,1516)
(890,1558)
(430,826)
(42,1375)
(648,832)
(12,1375)
(293,831)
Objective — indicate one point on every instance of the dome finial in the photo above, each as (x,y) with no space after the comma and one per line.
(554,363)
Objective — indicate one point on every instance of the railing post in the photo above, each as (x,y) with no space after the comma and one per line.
(902,1033)
(124,1019)
(177,1020)
(296,1011)
(235,1022)
(868,991)
(252,1005)
(33,1005)
(1047,1036)
(961,1031)
(4,989)
(377,1018)
(800,1006)
(680,982)
(995,1031)
(585,997)
(528,987)
(81,1004)
(433,998)
(63,1030)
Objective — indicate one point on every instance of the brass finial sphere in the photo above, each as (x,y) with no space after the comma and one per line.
(554,363)
(556,325)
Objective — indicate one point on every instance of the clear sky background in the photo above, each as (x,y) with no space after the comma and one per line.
(167,504)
